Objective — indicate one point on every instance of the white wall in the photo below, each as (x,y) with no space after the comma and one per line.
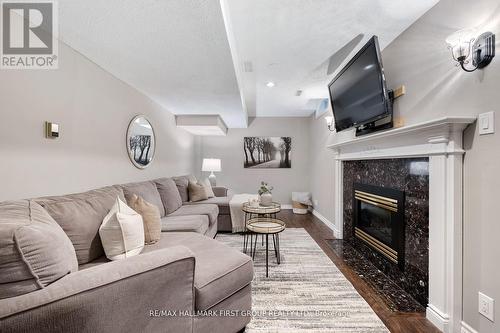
(230,150)
(93,109)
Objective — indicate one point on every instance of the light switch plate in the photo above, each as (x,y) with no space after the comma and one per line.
(486,123)
(486,306)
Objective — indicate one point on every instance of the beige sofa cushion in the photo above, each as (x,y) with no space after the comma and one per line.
(80,215)
(220,270)
(169,194)
(122,232)
(221,202)
(212,211)
(34,250)
(190,223)
(197,192)
(150,218)
(147,190)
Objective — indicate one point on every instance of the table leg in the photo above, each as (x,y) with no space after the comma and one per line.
(275,248)
(267,259)
(245,242)
(278,245)
(255,245)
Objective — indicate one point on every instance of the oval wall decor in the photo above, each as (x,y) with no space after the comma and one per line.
(141,142)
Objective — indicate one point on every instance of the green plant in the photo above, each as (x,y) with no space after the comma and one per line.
(265,188)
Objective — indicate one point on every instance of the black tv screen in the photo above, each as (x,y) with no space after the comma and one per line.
(358,93)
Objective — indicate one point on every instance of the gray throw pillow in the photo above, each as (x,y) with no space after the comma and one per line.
(169,194)
(34,250)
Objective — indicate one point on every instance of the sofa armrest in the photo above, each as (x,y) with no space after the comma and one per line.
(220,191)
(119,296)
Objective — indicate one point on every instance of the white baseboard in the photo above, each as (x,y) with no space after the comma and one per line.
(287,206)
(466,328)
(327,222)
(439,319)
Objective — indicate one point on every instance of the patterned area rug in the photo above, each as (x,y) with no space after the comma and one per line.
(306,292)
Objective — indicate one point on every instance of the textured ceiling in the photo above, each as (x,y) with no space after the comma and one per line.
(189,55)
(299,45)
(175,51)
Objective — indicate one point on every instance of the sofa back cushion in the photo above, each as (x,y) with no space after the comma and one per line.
(80,215)
(34,250)
(182,183)
(146,190)
(169,194)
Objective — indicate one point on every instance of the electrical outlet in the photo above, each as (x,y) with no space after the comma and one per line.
(486,123)
(486,306)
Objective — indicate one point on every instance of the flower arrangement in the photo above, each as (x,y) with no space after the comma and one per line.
(265,188)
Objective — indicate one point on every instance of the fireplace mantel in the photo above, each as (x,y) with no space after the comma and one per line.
(434,137)
(441,141)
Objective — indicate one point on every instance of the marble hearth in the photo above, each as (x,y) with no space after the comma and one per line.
(434,212)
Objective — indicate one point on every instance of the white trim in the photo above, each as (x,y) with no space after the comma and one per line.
(438,318)
(441,141)
(466,328)
(286,206)
(328,223)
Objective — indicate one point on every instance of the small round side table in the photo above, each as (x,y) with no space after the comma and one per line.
(267,226)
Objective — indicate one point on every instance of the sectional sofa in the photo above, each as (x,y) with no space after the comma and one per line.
(54,276)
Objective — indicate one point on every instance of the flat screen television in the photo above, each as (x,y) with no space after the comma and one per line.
(358,93)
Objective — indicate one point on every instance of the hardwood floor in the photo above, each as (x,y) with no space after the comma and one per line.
(396,322)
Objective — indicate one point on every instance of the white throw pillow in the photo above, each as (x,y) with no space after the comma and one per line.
(122,232)
(208,187)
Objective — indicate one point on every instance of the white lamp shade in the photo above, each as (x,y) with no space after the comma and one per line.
(211,164)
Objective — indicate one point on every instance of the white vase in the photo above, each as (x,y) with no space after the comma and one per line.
(266,199)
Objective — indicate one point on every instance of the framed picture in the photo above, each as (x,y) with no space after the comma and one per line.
(267,152)
(141,142)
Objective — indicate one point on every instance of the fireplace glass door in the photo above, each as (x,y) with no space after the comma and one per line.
(379,220)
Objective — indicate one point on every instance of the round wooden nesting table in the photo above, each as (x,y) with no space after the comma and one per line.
(266,226)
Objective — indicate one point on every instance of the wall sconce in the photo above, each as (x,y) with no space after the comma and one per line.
(466,47)
(329,123)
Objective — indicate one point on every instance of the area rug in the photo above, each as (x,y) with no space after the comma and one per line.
(306,292)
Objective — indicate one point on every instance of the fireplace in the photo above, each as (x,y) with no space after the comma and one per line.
(379,220)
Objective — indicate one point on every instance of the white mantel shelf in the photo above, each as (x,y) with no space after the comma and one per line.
(440,140)
(434,137)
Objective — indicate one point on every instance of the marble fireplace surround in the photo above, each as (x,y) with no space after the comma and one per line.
(441,141)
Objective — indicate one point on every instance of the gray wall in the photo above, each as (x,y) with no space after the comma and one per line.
(321,181)
(93,109)
(419,59)
(230,150)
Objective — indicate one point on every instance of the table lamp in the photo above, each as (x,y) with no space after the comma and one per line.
(211,165)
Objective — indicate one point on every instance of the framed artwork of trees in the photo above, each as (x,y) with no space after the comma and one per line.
(267,152)
(141,142)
